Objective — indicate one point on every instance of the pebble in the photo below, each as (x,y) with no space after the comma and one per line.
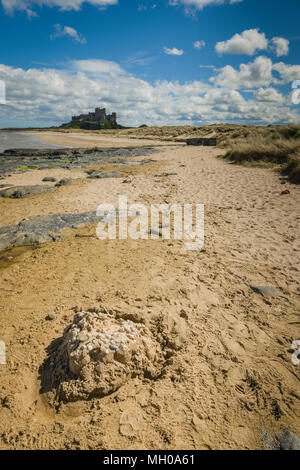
(50,317)
(63,182)
(82,337)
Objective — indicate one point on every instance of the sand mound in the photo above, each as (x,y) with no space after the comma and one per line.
(99,353)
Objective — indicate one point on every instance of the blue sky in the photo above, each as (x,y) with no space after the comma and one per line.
(155,62)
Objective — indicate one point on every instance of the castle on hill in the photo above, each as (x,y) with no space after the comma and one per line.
(98,116)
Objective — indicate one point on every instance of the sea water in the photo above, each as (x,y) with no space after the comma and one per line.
(16,140)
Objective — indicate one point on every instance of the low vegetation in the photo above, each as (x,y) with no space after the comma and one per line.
(272,145)
(27,167)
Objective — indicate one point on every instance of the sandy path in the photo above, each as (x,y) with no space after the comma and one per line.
(233,375)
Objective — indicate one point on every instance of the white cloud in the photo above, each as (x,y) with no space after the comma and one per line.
(173,51)
(61,31)
(10,6)
(199,44)
(251,41)
(254,74)
(288,73)
(281,46)
(98,67)
(269,95)
(52,96)
(248,42)
(200,4)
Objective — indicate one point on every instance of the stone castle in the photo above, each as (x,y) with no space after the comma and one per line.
(99,116)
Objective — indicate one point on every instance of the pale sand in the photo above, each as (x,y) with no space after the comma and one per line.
(234,375)
(88,140)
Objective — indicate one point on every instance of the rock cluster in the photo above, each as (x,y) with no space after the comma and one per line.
(99,353)
(12,160)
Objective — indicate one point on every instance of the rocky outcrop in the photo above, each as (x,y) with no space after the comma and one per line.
(18,160)
(42,229)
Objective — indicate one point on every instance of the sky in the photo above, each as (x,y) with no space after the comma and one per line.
(154,62)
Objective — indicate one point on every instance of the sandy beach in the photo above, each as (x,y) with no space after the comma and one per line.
(230,378)
(76,139)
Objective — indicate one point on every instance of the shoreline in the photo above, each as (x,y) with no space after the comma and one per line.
(87,140)
(23,140)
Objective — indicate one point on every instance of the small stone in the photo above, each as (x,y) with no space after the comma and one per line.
(286,191)
(63,182)
(267,291)
(183,314)
(82,337)
(49,179)
(50,317)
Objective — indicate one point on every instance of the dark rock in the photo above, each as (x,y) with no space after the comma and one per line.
(42,229)
(49,179)
(19,192)
(99,175)
(276,410)
(267,291)
(63,182)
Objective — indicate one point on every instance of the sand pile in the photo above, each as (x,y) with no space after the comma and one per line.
(99,353)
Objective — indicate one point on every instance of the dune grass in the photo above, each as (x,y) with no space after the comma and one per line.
(277,146)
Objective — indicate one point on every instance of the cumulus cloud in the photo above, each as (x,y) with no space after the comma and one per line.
(199,44)
(52,96)
(288,73)
(256,74)
(10,6)
(251,41)
(68,31)
(269,95)
(281,46)
(248,42)
(173,51)
(252,75)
